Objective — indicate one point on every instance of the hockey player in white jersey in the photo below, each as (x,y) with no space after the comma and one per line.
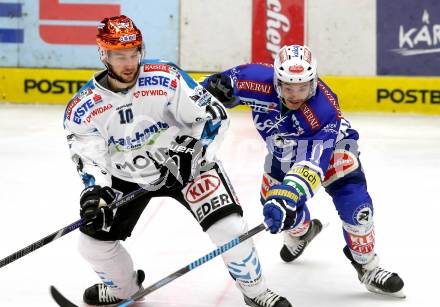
(142,123)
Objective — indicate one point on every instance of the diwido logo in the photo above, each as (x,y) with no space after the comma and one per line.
(201,188)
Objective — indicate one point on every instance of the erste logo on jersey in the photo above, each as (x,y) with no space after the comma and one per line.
(87,106)
(154,80)
(76,100)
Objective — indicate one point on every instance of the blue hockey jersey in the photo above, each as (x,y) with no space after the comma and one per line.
(300,142)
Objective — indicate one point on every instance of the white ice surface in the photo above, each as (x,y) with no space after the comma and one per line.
(39,191)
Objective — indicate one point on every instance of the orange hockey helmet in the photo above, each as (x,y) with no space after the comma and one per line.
(118,32)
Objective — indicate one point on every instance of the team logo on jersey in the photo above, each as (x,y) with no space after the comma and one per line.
(202,188)
(97,111)
(253,86)
(147,136)
(363,215)
(259,106)
(97,98)
(362,243)
(296,125)
(156,67)
(144,93)
(206,195)
(342,163)
(202,97)
(82,110)
(154,80)
(88,91)
(330,128)
(173,84)
(268,125)
(331,99)
(310,117)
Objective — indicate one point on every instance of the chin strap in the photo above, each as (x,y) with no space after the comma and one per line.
(113,75)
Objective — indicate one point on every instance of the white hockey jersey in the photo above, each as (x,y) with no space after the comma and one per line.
(113,133)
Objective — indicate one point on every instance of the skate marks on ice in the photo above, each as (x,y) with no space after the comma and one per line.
(36,153)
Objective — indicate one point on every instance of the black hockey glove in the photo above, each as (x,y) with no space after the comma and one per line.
(185,157)
(94,210)
(220,86)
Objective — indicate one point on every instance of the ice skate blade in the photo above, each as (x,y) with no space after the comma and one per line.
(398,294)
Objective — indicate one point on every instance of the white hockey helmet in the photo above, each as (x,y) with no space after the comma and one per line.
(295,64)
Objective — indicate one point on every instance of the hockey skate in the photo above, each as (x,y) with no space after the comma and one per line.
(99,294)
(376,279)
(294,246)
(267,299)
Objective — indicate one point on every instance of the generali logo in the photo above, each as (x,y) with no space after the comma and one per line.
(201,188)
(254,86)
(423,40)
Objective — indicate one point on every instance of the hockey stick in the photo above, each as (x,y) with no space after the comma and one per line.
(65,230)
(64,302)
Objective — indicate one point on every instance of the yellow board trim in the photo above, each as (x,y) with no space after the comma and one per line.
(356,94)
(387,94)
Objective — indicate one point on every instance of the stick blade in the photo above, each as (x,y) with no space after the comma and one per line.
(60,299)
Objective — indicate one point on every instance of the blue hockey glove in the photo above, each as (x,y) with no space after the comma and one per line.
(282,207)
(220,86)
(94,210)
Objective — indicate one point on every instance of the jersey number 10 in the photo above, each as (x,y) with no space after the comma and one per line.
(126,116)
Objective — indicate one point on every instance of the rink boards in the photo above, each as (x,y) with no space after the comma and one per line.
(356,94)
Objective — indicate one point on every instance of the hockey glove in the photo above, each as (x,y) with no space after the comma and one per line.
(94,210)
(220,86)
(186,156)
(282,207)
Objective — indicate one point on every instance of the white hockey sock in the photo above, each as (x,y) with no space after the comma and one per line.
(242,260)
(111,261)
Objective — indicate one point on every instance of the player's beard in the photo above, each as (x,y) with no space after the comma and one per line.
(123,78)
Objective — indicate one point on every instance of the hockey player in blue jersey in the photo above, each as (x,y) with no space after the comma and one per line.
(310,144)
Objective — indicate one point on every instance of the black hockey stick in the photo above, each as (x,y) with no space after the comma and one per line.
(64,302)
(65,230)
